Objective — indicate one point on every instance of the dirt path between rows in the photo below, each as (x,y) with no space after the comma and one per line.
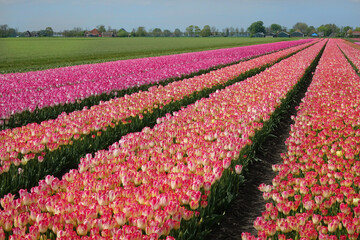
(250,204)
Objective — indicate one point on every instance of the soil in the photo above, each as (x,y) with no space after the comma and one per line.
(249,203)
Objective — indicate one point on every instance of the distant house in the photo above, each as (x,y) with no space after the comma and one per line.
(93,33)
(108,34)
(259,34)
(356,34)
(297,34)
(283,34)
(270,35)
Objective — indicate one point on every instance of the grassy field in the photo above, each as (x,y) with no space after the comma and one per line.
(29,54)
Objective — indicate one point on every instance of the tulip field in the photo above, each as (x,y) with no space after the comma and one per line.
(316,192)
(163,161)
(72,88)
(105,123)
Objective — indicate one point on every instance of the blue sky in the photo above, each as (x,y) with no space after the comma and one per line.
(171,14)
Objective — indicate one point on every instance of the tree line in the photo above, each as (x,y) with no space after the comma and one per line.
(327,30)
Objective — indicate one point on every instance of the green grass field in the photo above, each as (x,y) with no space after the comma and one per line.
(30,54)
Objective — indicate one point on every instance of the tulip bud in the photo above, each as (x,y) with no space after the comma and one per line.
(238,169)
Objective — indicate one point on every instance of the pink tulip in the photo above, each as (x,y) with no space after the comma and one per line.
(320,147)
(70,84)
(148,190)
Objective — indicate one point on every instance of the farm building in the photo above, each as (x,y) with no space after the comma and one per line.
(270,35)
(356,34)
(297,34)
(108,34)
(283,34)
(93,33)
(259,34)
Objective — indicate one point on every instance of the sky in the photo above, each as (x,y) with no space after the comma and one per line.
(35,15)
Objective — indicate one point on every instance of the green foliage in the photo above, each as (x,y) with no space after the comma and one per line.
(141,32)
(310,30)
(122,33)
(167,33)
(275,28)
(300,26)
(156,32)
(328,29)
(75,32)
(256,27)
(101,28)
(190,31)
(177,32)
(206,31)
(197,31)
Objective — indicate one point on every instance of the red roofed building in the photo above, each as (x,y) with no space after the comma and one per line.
(93,33)
(356,34)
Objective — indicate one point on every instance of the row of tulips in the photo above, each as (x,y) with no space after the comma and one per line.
(41,95)
(33,150)
(352,54)
(152,183)
(316,192)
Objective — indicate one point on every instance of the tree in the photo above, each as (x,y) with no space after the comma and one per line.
(49,31)
(156,32)
(231,31)
(275,28)
(226,32)
(122,33)
(214,31)
(141,32)
(4,30)
(101,28)
(177,32)
(206,31)
(328,29)
(75,32)
(237,31)
(197,31)
(300,26)
(345,29)
(310,30)
(189,31)
(167,33)
(256,27)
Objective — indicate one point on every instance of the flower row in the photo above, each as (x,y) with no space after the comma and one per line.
(352,53)
(152,182)
(20,145)
(316,192)
(27,91)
